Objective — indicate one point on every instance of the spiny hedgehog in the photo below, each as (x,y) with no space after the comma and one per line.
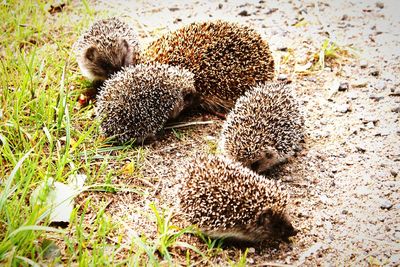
(106,47)
(227,200)
(136,102)
(226,59)
(264,128)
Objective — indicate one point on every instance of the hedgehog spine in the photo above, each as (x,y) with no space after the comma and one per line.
(264,128)
(226,200)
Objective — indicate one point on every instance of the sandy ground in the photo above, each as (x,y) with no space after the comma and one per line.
(345,184)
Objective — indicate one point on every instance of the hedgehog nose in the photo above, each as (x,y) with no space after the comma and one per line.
(289,232)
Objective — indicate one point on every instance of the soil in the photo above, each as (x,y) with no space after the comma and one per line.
(345,184)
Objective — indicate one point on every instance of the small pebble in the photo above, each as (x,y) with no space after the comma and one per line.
(360,83)
(370,125)
(343,86)
(393,172)
(345,17)
(270,11)
(344,108)
(244,13)
(352,95)
(361,148)
(363,64)
(380,5)
(395,92)
(251,250)
(220,6)
(374,73)
(386,204)
(345,212)
(282,77)
(376,97)
(381,85)
(396,109)
(282,48)
(369,118)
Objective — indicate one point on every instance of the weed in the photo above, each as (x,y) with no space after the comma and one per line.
(179,134)
(329,54)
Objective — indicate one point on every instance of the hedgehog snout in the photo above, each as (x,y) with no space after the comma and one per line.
(277,225)
(97,66)
(190,98)
(266,160)
(288,231)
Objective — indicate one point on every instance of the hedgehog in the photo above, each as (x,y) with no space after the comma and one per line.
(226,200)
(264,128)
(135,103)
(226,60)
(106,47)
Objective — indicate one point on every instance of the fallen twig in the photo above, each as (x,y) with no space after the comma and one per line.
(188,124)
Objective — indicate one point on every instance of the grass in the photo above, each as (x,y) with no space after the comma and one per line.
(43,134)
(331,54)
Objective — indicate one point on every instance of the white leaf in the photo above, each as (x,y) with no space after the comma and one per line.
(60,197)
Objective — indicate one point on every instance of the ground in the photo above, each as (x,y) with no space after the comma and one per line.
(343,61)
(345,185)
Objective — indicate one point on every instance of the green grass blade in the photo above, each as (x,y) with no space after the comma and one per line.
(10,179)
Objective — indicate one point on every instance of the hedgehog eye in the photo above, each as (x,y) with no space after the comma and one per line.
(268,155)
(188,98)
(265,217)
(261,219)
(107,66)
(255,165)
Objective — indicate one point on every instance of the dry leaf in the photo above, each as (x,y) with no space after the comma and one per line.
(59,198)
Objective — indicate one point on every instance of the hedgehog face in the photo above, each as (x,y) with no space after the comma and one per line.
(266,160)
(106,47)
(187,98)
(101,64)
(275,226)
(267,226)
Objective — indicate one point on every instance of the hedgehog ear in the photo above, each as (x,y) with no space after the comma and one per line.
(124,44)
(127,58)
(91,53)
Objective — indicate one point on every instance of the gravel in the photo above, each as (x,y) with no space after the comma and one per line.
(341,203)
